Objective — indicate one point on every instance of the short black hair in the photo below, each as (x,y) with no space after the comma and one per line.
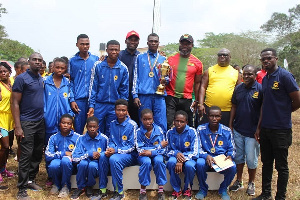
(121,102)
(270,49)
(60,60)
(44,62)
(24,63)
(152,34)
(66,116)
(181,112)
(22,58)
(92,119)
(34,54)
(17,64)
(214,108)
(145,111)
(250,66)
(112,42)
(82,36)
(65,58)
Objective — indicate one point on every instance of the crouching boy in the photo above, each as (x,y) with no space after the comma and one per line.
(59,154)
(89,153)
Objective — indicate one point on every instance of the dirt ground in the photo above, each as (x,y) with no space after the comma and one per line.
(293,190)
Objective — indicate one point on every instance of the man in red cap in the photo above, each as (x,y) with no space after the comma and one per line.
(128,57)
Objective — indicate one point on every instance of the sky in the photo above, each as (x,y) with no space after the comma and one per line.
(52,26)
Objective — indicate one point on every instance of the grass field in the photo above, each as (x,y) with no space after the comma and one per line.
(293,191)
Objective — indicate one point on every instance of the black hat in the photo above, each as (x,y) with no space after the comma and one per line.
(186,37)
(4,64)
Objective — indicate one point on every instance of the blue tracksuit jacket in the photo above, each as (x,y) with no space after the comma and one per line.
(56,103)
(108,84)
(80,71)
(142,83)
(224,144)
(153,143)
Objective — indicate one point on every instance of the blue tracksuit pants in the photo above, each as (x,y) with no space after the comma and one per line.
(189,169)
(88,170)
(117,163)
(157,104)
(60,170)
(80,118)
(202,168)
(105,112)
(159,169)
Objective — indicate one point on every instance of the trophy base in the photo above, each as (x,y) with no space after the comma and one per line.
(159,92)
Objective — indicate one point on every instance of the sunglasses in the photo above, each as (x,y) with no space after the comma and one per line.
(267,58)
(222,54)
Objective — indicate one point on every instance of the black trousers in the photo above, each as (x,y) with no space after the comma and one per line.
(174,104)
(31,151)
(274,145)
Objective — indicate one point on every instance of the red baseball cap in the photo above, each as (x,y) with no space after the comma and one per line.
(131,33)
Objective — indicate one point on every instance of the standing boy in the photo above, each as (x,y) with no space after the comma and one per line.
(121,146)
(183,153)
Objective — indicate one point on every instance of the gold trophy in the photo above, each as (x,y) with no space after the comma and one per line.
(164,71)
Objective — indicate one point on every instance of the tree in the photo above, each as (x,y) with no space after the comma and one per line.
(2,28)
(287,30)
(13,50)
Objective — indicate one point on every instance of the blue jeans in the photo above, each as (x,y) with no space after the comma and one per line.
(247,149)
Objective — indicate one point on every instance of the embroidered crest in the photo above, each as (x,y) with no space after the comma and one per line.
(275,85)
(220,143)
(71,146)
(187,144)
(65,95)
(155,143)
(115,77)
(124,137)
(255,95)
(99,149)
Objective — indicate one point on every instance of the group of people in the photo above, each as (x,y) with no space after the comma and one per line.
(198,116)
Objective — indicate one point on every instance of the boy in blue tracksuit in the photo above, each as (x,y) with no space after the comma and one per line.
(216,139)
(121,147)
(89,154)
(182,152)
(145,82)
(80,69)
(56,97)
(151,145)
(109,83)
(58,154)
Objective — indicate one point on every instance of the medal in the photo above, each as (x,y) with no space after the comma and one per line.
(151,74)
(213,149)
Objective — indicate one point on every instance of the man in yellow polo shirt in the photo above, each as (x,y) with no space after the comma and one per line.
(217,85)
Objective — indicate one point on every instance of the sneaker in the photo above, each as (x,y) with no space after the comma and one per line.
(99,195)
(54,190)
(76,194)
(225,196)
(251,189)
(117,196)
(263,197)
(22,195)
(143,196)
(7,173)
(49,182)
(176,194)
(200,195)
(89,191)
(33,186)
(237,185)
(64,192)
(161,196)
(187,194)
(3,188)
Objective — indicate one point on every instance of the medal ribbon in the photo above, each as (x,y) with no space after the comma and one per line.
(151,67)
(213,143)
(6,86)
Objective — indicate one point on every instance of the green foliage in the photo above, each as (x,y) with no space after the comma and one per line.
(13,50)
(2,28)
(170,49)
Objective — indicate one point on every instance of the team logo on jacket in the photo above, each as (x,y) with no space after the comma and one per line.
(255,95)
(65,94)
(275,85)
(99,149)
(187,144)
(124,137)
(115,77)
(220,143)
(155,143)
(71,146)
